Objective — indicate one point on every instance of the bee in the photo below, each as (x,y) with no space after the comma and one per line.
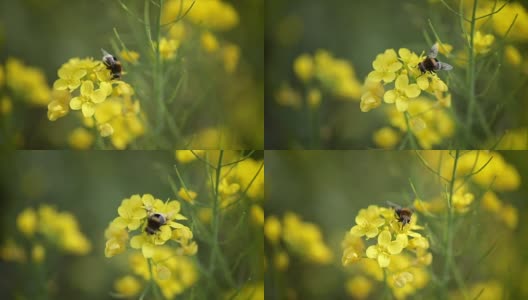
(112,63)
(431,64)
(154,222)
(403,214)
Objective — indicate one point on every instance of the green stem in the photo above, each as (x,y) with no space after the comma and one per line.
(410,135)
(448,236)
(386,288)
(215,221)
(470,75)
(158,77)
(155,288)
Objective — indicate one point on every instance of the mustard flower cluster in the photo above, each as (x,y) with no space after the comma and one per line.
(210,16)
(46,226)
(134,215)
(172,272)
(428,122)
(399,249)
(402,69)
(249,291)
(107,105)
(25,82)
(301,239)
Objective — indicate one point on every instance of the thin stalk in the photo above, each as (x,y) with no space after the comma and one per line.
(158,75)
(214,224)
(470,75)
(448,236)
(155,288)
(386,289)
(410,134)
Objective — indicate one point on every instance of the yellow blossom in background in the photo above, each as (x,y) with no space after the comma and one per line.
(482,42)
(512,55)
(186,156)
(177,31)
(27,222)
(462,199)
(287,96)
(6,105)
(215,15)
(337,76)
(305,240)
(231,56)
(11,251)
(502,21)
(130,56)
(314,98)
(127,286)
(27,82)
(386,138)
(257,214)
(281,261)
(272,229)
(187,195)
(359,287)
(486,290)
(168,48)
(514,139)
(209,42)
(81,139)
(444,48)
(38,253)
(303,66)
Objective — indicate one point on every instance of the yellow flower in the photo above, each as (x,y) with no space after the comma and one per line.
(11,251)
(386,138)
(27,222)
(372,96)
(510,216)
(368,221)
(69,78)
(127,286)
(185,156)
(502,21)
(27,82)
(272,229)
(187,195)
(385,248)
(117,239)
(491,202)
(410,60)
(444,48)
(257,214)
(209,42)
(305,239)
(359,287)
(462,200)
(6,105)
(131,213)
(385,67)
(512,55)
(130,56)
(402,92)
(89,97)
(231,56)
(337,76)
(80,139)
(212,14)
(287,96)
(38,253)
(314,98)
(281,261)
(59,105)
(168,48)
(303,66)
(482,43)
(353,248)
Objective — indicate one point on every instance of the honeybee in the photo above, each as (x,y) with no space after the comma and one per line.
(112,63)
(154,222)
(431,64)
(403,214)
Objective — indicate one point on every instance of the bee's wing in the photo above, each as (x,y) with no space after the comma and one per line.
(394,205)
(444,66)
(105,52)
(433,52)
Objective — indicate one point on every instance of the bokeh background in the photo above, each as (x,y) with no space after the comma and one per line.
(355,32)
(328,188)
(215,102)
(91,186)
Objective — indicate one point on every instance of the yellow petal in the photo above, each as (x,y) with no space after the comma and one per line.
(402,82)
(375,76)
(384,238)
(372,252)
(402,104)
(383,260)
(390,96)
(148,250)
(98,96)
(137,241)
(422,82)
(76,103)
(412,91)
(60,84)
(87,88)
(88,109)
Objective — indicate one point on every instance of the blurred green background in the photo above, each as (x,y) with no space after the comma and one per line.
(328,188)
(45,34)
